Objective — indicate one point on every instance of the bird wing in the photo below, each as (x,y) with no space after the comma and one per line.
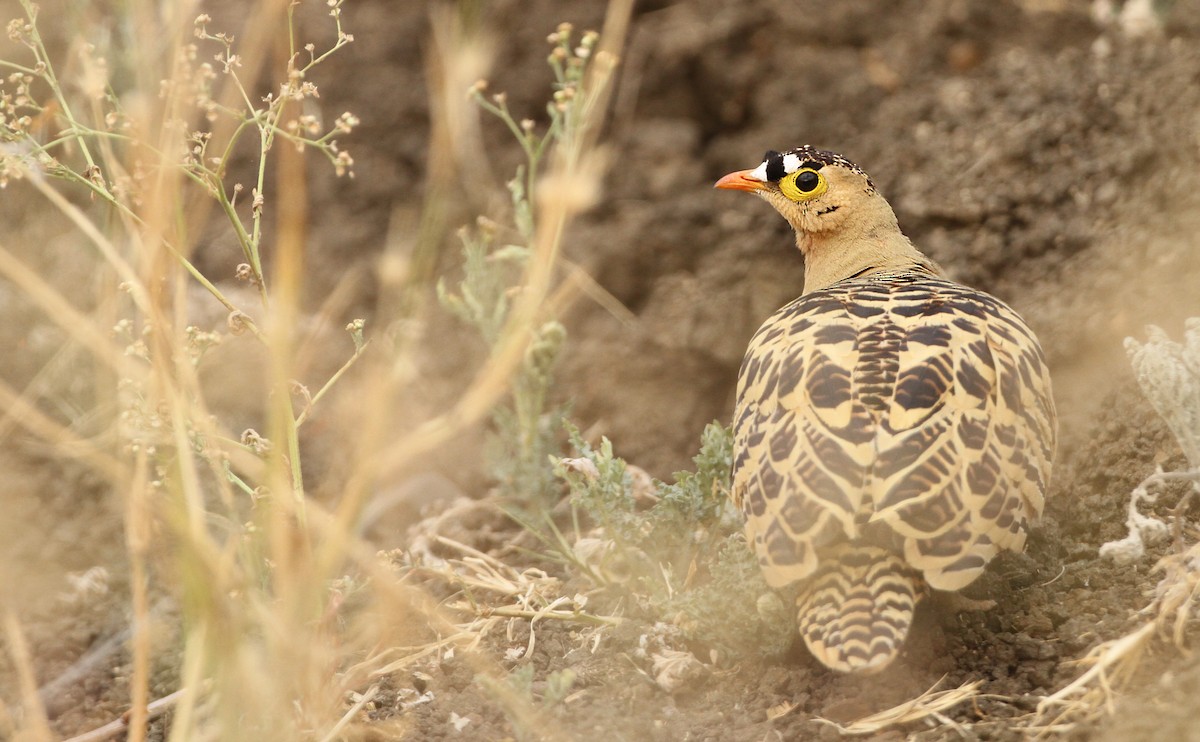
(910,404)
(965,448)
(803,440)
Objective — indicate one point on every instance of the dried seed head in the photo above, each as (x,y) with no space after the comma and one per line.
(343,164)
(252,440)
(237,322)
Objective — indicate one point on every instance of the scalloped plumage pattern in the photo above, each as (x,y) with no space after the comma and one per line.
(890,431)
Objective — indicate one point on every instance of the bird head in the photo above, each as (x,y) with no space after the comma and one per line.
(815,190)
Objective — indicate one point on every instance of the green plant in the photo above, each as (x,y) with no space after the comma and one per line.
(683,558)
(495,259)
(530,716)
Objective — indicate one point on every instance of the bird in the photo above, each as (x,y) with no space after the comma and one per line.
(893,430)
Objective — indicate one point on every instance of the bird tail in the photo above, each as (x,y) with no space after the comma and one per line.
(856,609)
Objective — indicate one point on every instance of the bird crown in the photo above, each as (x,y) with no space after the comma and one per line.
(776,165)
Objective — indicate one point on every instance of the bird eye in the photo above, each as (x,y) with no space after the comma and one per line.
(803,184)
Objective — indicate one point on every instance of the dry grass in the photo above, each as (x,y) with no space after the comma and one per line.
(927,707)
(139,173)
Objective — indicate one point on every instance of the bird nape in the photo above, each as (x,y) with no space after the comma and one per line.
(893,430)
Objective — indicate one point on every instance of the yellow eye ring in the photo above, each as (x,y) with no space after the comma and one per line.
(803,184)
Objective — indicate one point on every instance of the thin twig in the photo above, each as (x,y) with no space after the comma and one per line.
(351,713)
(154,710)
(329,384)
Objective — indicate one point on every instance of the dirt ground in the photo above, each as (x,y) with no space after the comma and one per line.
(1034,150)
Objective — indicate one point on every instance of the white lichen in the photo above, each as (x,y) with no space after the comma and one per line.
(1143,529)
(1169,375)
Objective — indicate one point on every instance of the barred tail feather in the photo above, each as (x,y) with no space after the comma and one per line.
(856,609)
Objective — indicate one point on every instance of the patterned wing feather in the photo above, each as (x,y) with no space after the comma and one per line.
(905,413)
(963,463)
(802,442)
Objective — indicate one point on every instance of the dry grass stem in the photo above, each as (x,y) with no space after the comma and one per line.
(1112,664)
(33,713)
(929,704)
(124,725)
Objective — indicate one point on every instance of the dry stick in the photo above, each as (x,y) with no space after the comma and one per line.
(19,651)
(1109,656)
(191,677)
(350,713)
(154,710)
(579,279)
(929,703)
(138,527)
(53,694)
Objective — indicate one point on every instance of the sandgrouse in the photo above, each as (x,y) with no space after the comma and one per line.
(893,431)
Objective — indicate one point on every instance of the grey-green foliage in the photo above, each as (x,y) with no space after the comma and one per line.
(604,492)
(1169,374)
(523,434)
(489,275)
(493,272)
(520,682)
(684,557)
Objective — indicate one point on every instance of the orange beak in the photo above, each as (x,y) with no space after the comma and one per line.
(740,181)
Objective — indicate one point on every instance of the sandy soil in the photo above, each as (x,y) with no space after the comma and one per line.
(1037,153)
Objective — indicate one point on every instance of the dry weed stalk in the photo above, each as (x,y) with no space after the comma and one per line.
(227,517)
(1112,664)
(927,706)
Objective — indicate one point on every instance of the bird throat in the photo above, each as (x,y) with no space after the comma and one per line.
(830,257)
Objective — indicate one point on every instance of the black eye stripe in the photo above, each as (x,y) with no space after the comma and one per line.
(774,162)
(811,157)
